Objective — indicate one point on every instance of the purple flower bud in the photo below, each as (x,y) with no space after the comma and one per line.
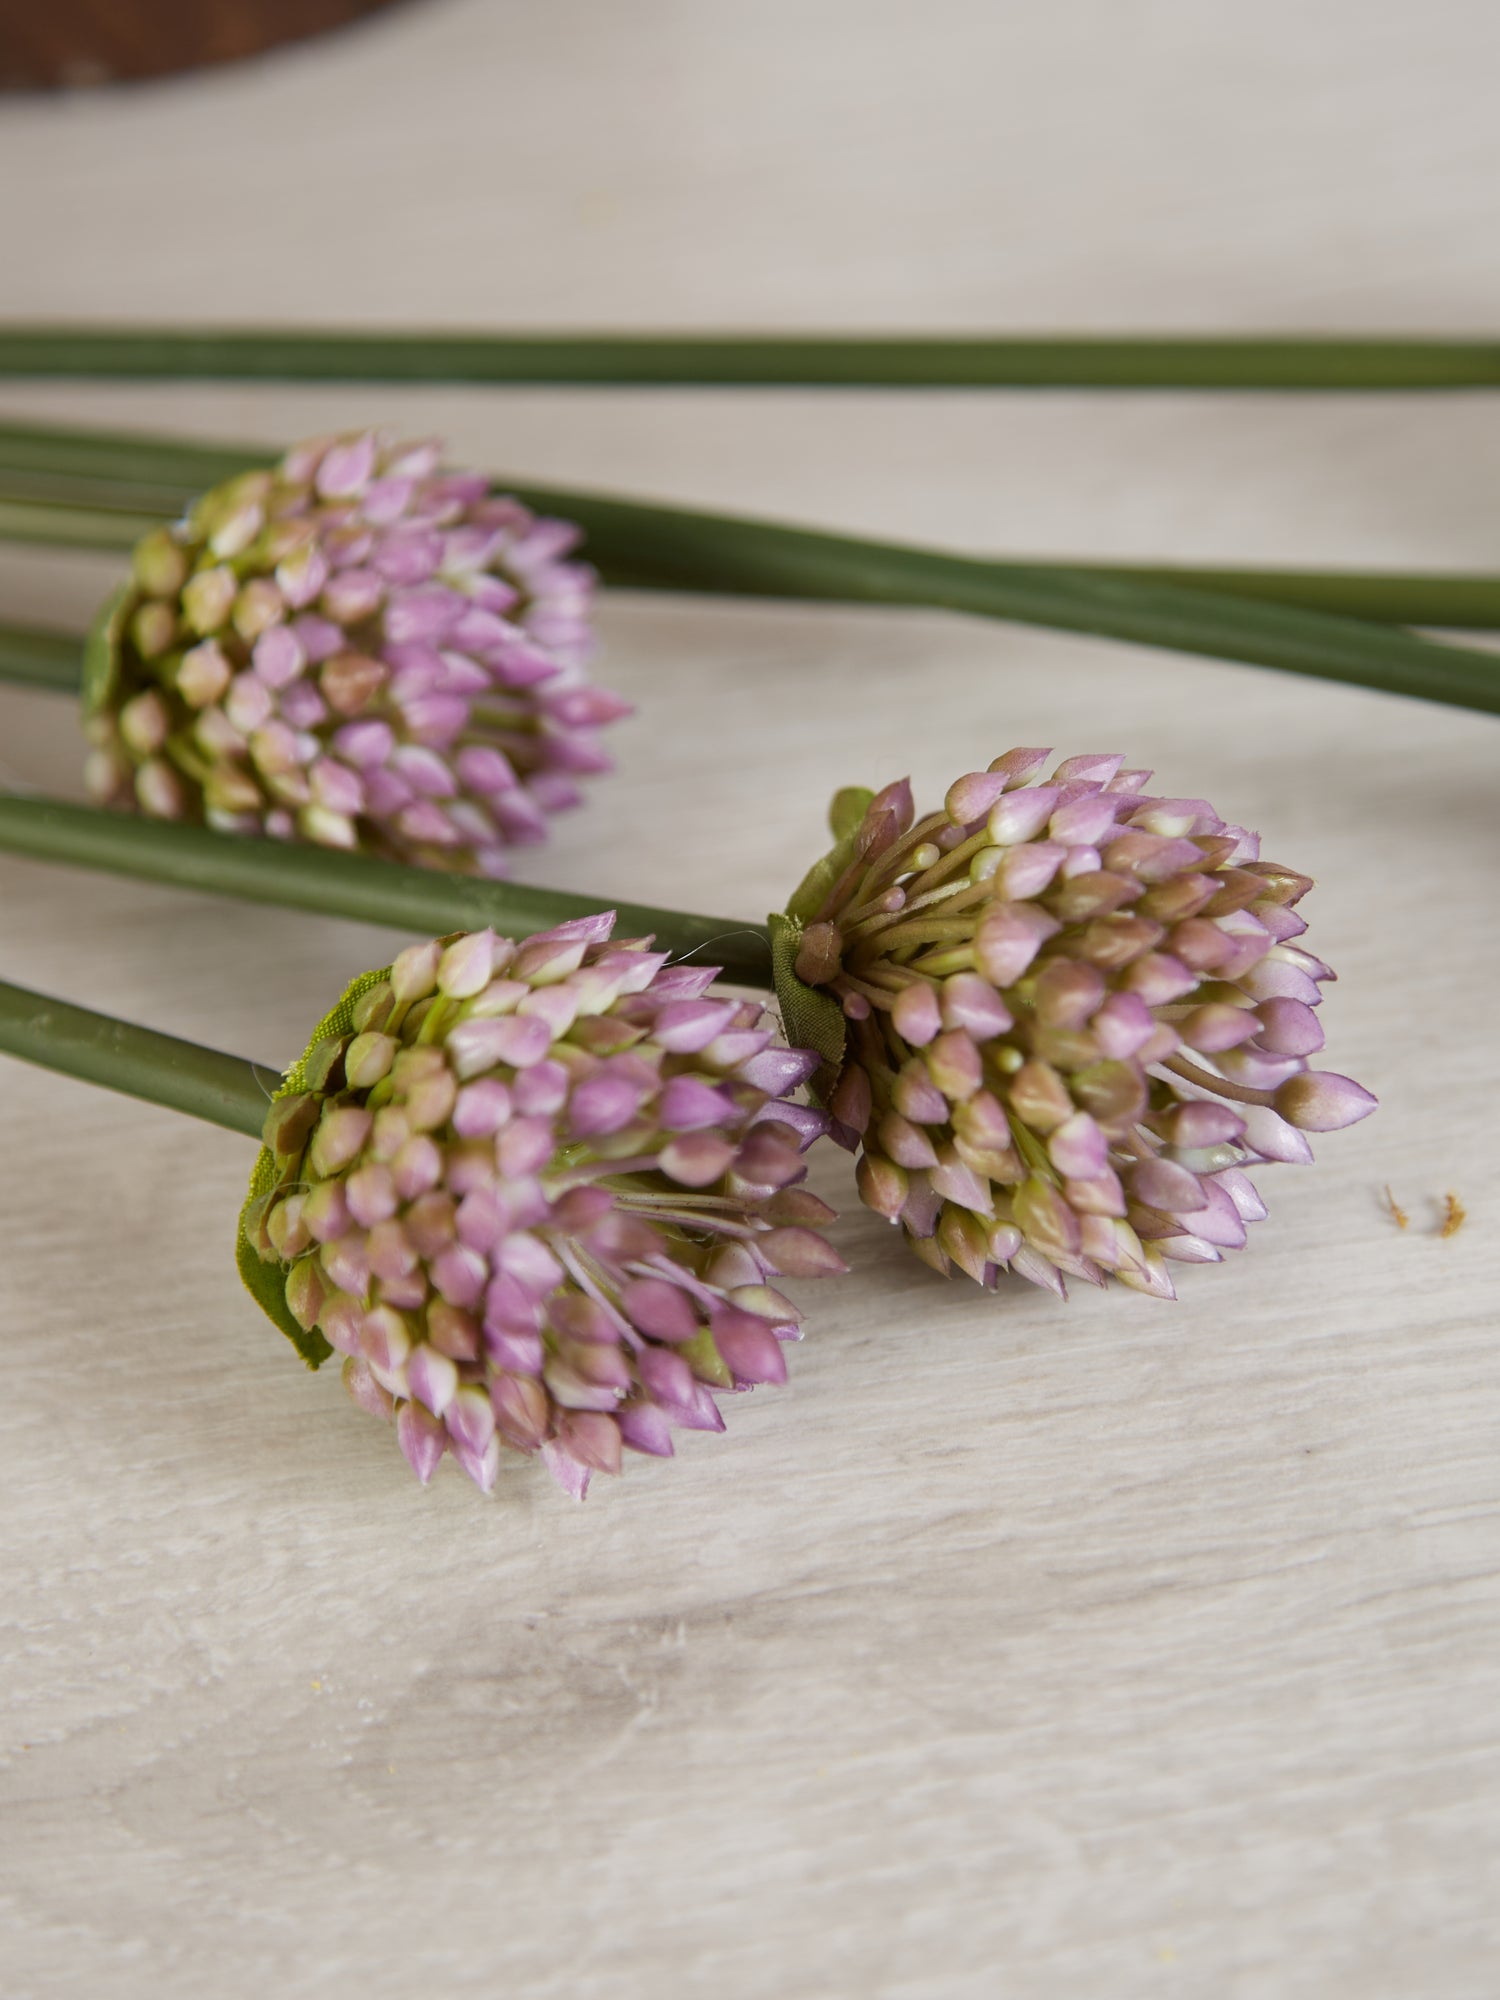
(1216,1027)
(1273,1138)
(364,1390)
(432,1378)
(645,1428)
(572,1477)
(1276,979)
(1020,766)
(1027,870)
(1319,1101)
(1201,1123)
(1191,1250)
(1092,770)
(481,1108)
(1219,1222)
(779,1070)
(748,1347)
(686,1027)
(1164,1185)
(971,1003)
(1009,937)
(1083,822)
(465,967)
(1122,1025)
(1078,1148)
(1289,1027)
(523,1414)
(481,1465)
(917,1015)
(799,1252)
(971,798)
(688,1104)
(1021,815)
(477,1046)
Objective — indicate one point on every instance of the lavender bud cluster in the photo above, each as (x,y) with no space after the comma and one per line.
(358,649)
(537,1194)
(1077,1016)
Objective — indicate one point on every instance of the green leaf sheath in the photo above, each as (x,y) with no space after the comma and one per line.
(335,884)
(812,1019)
(651,546)
(266,1282)
(775,360)
(224,1090)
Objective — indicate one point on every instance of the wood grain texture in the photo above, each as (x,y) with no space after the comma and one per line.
(1011,1649)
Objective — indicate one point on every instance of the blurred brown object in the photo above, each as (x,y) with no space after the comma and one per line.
(69,44)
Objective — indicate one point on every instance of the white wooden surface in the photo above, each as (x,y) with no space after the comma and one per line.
(1111,1650)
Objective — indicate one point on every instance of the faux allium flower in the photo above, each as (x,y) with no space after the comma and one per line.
(535,1193)
(357,649)
(1073,1016)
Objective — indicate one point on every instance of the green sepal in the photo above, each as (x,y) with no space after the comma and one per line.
(812,1019)
(266,1283)
(845,817)
(848,810)
(101,651)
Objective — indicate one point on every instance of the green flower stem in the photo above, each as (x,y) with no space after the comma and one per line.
(41,659)
(820,361)
(37,657)
(1453,600)
(677,548)
(351,885)
(680,548)
(181,466)
(224,1090)
(1456,600)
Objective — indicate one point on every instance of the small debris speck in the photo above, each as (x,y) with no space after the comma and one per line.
(1455,1215)
(1398,1214)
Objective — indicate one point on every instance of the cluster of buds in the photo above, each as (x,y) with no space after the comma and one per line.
(1074,1015)
(357,649)
(536,1194)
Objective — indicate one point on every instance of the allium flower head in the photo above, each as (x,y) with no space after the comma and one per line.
(1072,1017)
(536,1194)
(357,649)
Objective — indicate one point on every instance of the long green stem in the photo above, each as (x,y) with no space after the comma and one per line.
(351,885)
(770,360)
(174,468)
(224,1090)
(1463,601)
(686,549)
(635,542)
(38,657)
